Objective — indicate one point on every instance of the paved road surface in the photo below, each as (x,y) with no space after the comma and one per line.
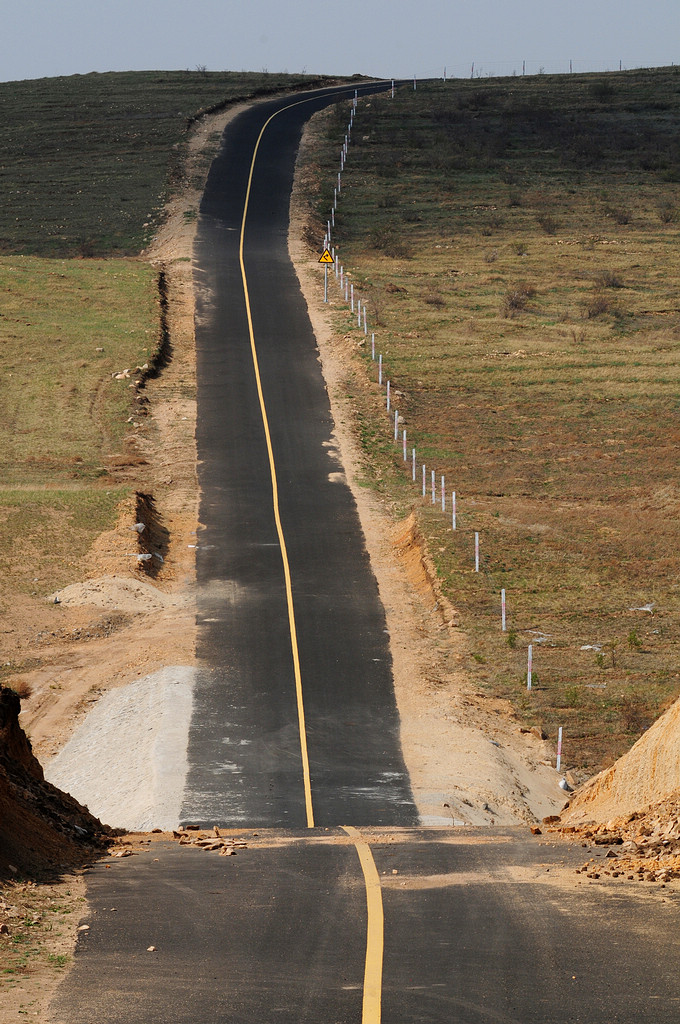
(245,741)
(477,931)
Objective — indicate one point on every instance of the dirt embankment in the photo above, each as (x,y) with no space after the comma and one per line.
(40,827)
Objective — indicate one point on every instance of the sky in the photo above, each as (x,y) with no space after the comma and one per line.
(381,38)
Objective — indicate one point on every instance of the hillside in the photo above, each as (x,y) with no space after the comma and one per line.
(515,242)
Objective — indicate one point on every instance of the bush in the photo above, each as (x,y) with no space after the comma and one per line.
(609,279)
(516,300)
(549,223)
(598,306)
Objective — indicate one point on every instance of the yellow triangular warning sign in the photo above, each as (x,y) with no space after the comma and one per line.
(326,257)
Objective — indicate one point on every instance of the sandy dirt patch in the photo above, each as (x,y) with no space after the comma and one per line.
(139,731)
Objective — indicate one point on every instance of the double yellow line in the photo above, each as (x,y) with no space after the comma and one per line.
(371,1011)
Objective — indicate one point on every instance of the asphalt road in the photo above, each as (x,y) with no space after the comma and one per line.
(245,752)
(481,926)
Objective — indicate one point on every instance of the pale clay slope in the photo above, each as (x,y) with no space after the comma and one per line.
(649,772)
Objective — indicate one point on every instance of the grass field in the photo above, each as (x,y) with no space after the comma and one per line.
(517,242)
(67,327)
(88,161)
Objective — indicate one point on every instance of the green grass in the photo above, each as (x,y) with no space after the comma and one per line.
(517,241)
(67,327)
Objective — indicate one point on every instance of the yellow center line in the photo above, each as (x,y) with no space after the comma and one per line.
(372,1005)
(275,490)
(275,494)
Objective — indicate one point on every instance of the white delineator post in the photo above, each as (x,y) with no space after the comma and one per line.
(443,496)
(530,662)
(396,425)
(413,460)
(503,610)
(365,324)
(351,292)
(433,487)
(373,347)
(404,445)
(380,368)
(559,749)
(476,552)
(453,510)
(424,486)
(388,396)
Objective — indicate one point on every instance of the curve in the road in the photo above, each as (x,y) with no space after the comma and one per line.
(287,595)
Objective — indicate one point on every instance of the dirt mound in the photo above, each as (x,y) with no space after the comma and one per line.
(647,774)
(119,593)
(40,827)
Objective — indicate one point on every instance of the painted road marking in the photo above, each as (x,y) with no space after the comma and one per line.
(372,1005)
(275,491)
(275,496)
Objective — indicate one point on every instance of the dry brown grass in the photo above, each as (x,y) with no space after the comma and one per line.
(545,388)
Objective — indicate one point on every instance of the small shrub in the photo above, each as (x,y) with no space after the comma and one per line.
(516,300)
(599,659)
(520,248)
(579,335)
(548,223)
(668,214)
(434,298)
(598,306)
(634,641)
(609,279)
(602,90)
(618,214)
(511,638)
(22,688)
(515,200)
(388,239)
(634,715)
(572,697)
(491,257)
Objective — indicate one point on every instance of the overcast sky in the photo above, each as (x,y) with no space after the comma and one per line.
(385,38)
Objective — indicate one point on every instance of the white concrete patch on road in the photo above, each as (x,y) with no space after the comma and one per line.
(127,761)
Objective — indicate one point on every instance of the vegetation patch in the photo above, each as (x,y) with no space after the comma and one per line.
(542,383)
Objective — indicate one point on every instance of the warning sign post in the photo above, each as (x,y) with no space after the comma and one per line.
(327,261)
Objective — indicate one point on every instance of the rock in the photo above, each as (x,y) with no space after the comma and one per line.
(539,733)
(83,928)
(551,819)
(4,929)
(607,839)
(535,830)
(151,949)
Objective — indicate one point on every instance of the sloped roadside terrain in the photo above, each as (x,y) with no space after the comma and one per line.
(40,826)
